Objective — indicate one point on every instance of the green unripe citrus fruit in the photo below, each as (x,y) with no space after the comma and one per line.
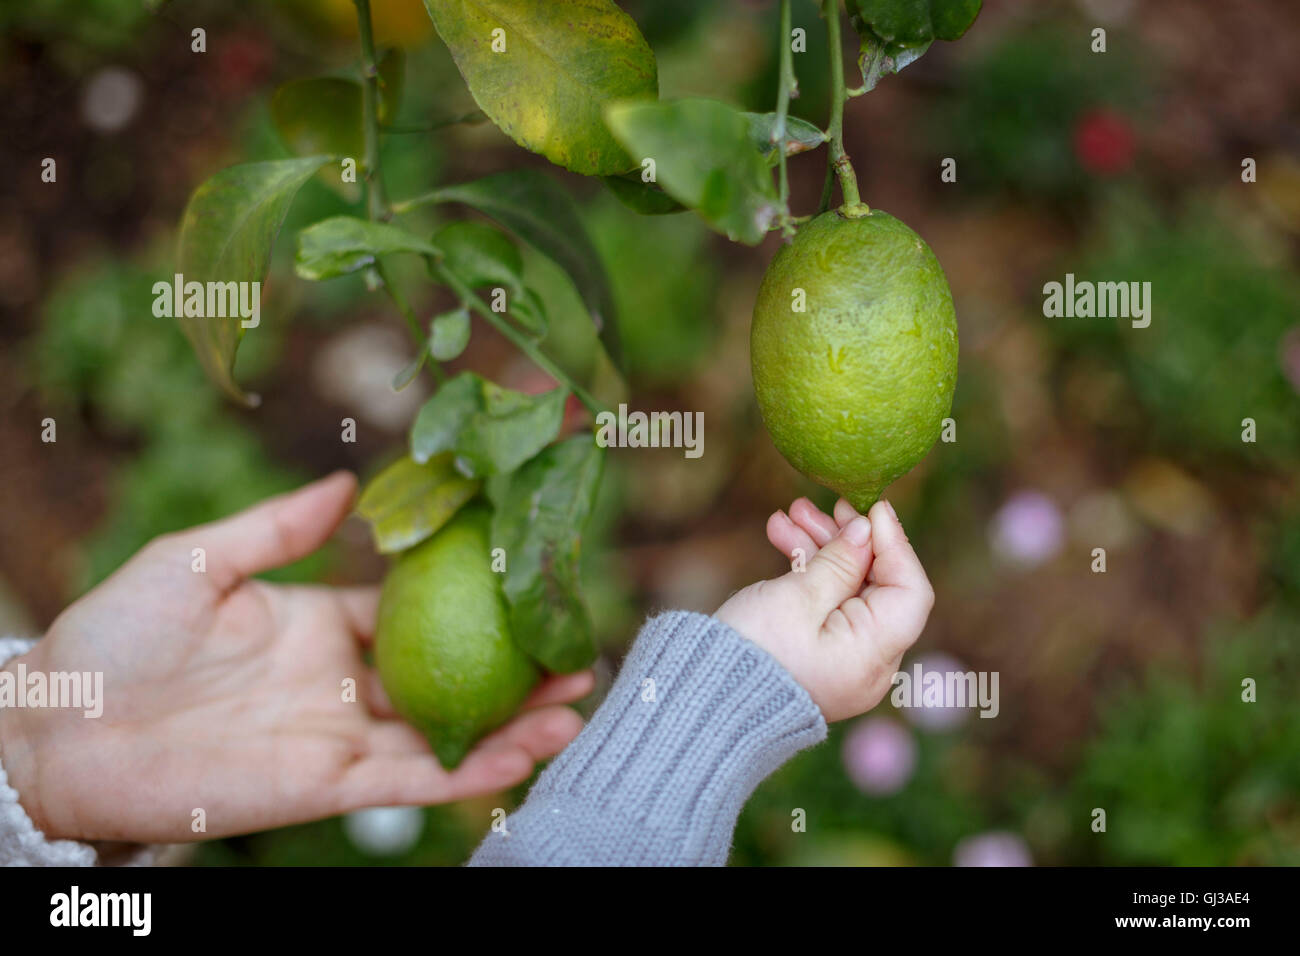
(854,388)
(442,642)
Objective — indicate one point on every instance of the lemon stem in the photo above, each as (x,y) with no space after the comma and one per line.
(788,84)
(412,323)
(853,206)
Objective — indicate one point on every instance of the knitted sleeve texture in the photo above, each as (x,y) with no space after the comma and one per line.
(698,717)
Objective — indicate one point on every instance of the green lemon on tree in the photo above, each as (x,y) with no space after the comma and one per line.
(443,646)
(854,352)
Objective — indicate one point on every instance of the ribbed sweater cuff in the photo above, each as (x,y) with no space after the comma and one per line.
(698,717)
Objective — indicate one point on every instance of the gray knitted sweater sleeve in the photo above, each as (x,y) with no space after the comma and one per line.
(698,717)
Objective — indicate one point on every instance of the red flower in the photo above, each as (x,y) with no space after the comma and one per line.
(243,61)
(1104,142)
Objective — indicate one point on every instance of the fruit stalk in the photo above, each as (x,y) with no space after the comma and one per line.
(853,207)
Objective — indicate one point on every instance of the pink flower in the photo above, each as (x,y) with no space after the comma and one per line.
(933,717)
(995,848)
(879,755)
(1027,529)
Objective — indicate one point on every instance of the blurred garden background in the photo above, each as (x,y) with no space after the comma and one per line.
(1120,690)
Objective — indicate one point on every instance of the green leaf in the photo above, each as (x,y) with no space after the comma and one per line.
(511,428)
(895,33)
(562,61)
(343,244)
(530,312)
(442,418)
(407,502)
(878,59)
(226,234)
(490,429)
(705,158)
(800,135)
(320,115)
(392,82)
(535,209)
(449,334)
(914,22)
(407,374)
(539,514)
(648,199)
(480,255)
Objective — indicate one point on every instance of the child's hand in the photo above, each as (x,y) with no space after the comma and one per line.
(226,695)
(841,625)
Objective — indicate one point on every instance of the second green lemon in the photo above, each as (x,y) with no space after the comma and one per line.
(854,352)
(443,647)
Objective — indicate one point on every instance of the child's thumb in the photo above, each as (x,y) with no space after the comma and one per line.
(836,572)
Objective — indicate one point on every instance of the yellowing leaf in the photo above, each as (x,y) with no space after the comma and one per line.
(226,235)
(407,502)
(544,70)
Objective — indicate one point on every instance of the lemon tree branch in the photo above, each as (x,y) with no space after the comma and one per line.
(471,300)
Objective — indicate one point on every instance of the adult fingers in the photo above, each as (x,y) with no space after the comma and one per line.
(561,689)
(377,698)
(273,532)
(393,775)
(359,607)
(557,689)
(419,780)
(542,733)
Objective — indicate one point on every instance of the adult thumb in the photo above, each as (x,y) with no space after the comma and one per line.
(274,532)
(838,570)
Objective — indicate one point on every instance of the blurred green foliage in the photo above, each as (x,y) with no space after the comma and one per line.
(1211,355)
(660,318)
(1188,773)
(922,822)
(100,347)
(1014,110)
(98,24)
(448,838)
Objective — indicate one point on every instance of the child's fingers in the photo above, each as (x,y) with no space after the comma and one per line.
(837,572)
(820,526)
(900,596)
(844,512)
(273,533)
(787,537)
